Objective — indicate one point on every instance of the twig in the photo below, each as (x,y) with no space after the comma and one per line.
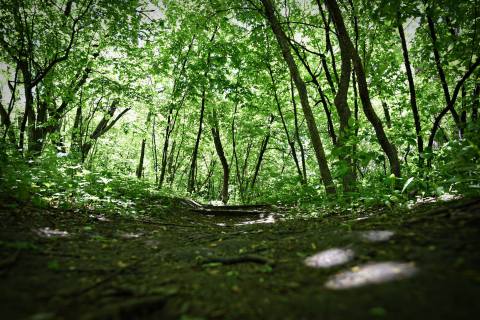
(241,259)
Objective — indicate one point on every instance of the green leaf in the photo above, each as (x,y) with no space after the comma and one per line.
(407,183)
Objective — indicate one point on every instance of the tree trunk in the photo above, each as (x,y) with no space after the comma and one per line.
(166,143)
(344,113)
(263,148)
(139,171)
(386,112)
(290,141)
(221,155)
(372,117)
(441,73)
(328,42)
(475,102)
(302,92)
(297,132)
(6,123)
(103,126)
(154,149)
(413,95)
(193,164)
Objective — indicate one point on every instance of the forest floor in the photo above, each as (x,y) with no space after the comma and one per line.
(173,263)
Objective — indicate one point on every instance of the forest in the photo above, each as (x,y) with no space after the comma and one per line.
(242,159)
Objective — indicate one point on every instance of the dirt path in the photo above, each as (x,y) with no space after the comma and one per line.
(175,264)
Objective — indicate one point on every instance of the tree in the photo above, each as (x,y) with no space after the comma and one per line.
(302,92)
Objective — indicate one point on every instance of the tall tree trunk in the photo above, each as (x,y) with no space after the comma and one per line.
(302,92)
(168,131)
(344,113)
(328,42)
(139,170)
(372,117)
(193,164)
(297,132)
(29,113)
(411,86)
(441,73)
(221,155)
(290,141)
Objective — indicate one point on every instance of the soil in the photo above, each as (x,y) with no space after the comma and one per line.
(177,263)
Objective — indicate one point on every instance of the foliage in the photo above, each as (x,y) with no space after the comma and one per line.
(112,79)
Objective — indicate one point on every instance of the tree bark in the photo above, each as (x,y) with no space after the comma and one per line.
(302,91)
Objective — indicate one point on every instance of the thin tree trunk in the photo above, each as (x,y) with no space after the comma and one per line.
(386,112)
(234,149)
(441,73)
(243,183)
(463,114)
(328,42)
(261,153)
(297,132)
(413,95)
(323,100)
(168,131)
(154,149)
(302,91)
(290,141)
(221,155)
(475,102)
(343,37)
(438,119)
(193,165)
(344,113)
(139,171)
(77,130)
